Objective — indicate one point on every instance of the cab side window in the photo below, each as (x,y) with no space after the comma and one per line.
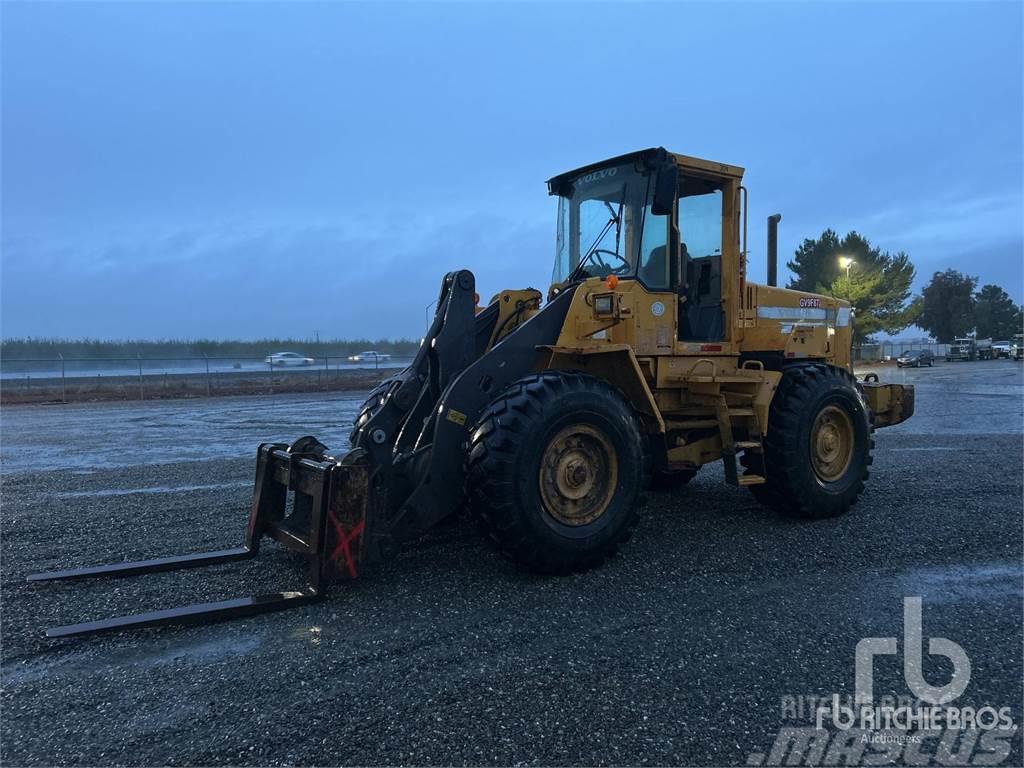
(700,224)
(654,269)
(700,239)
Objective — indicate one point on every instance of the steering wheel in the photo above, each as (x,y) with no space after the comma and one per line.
(623,269)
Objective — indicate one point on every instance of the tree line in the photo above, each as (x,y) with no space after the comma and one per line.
(171,349)
(878,285)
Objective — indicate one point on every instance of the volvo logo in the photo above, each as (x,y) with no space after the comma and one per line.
(590,178)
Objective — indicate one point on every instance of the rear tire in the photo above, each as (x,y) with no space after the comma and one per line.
(818,447)
(554,471)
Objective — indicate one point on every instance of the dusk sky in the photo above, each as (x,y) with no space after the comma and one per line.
(242,170)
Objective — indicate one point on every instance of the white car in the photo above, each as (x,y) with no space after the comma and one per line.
(287,359)
(370,356)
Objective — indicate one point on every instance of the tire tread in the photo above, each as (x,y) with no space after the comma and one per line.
(780,461)
(494,445)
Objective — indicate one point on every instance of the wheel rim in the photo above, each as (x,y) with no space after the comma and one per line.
(578,475)
(831,443)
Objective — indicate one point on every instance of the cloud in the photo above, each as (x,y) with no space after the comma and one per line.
(341,279)
(926,222)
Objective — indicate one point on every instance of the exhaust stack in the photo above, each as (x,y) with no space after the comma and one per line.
(773,248)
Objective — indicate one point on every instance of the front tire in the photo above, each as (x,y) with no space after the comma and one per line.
(818,447)
(554,471)
(370,406)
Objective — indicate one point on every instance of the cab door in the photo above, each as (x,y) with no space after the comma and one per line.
(700,213)
(655,301)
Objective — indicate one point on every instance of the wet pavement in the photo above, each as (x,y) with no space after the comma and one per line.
(125,434)
(683,650)
(962,398)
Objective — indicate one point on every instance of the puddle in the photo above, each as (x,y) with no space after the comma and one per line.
(984,583)
(89,436)
(88,665)
(927,448)
(152,489)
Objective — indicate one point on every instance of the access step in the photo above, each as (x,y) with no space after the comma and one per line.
(743,480)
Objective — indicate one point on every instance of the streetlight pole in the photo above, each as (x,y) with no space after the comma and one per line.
(845,262)
(426,313)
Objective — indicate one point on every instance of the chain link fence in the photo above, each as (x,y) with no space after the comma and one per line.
(890,350)
(139,378)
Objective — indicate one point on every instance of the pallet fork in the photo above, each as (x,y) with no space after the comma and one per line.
(327,524)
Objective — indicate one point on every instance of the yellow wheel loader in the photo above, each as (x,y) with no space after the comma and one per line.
(650,356)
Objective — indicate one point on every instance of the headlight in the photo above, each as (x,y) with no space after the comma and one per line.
(604,304)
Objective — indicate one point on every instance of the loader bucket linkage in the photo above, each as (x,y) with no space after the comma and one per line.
(393,484)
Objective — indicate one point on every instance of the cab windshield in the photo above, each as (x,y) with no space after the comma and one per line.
(605,227)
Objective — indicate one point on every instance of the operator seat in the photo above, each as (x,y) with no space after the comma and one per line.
(654,272)
(700,316)
(708,307)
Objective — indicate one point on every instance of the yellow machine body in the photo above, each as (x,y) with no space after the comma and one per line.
(686,362)
(696,392)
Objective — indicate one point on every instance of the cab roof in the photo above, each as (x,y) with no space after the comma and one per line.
(649,158)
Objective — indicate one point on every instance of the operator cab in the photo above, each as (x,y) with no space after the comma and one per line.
(607,226)
(656,218)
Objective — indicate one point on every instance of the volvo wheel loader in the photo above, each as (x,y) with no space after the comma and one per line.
(651,355)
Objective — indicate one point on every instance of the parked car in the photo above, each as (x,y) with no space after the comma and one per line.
(287,359)
(370,356)
(915,358)
(1018,346)
(1002,349)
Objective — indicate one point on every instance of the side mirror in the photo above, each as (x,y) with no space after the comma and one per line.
(665,190)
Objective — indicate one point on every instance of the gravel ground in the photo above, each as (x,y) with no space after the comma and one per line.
(680,651)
